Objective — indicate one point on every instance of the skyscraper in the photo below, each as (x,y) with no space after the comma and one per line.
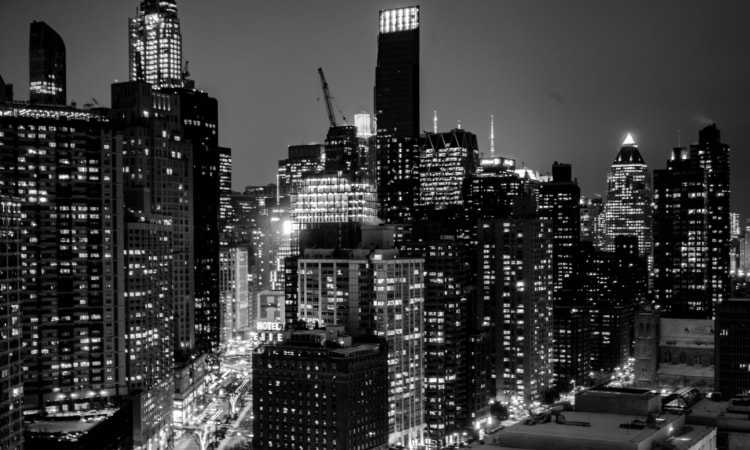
(732,350)
(397,112)
(156,44)
(713,156)
(515,283)
(46,65)
(681,238)
(628,207)
(559,204)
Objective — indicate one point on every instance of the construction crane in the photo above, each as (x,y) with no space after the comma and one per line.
(329,100)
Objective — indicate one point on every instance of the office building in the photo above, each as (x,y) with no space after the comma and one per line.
(627,210)
(397,112)
(515,285)
(732,350)
(11,363)
(713,156)
(225,195)
(590,209)
(351,149)
(155,44)
(681,246)
(318,389)
(46,66)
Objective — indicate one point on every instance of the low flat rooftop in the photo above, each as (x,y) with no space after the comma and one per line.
(79,423)
(604,427)
(686,371)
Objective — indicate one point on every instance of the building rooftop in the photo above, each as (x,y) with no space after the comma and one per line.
(601,427)
(686,371)
(690,333)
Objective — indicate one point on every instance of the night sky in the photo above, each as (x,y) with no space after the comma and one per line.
(565,80)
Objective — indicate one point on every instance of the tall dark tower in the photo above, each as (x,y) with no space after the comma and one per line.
(46,65)
(681,243)
(713,156)
(397,111)
(559,204)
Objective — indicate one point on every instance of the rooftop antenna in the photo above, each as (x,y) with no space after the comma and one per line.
(434,123)
(492,134)
(459,125)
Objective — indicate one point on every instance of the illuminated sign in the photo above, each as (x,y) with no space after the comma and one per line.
(269,326)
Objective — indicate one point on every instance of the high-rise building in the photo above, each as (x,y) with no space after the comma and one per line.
(157,165)
(225,195)
(559,205)
(381,294)
(590,209)
(732,351)
(681,238)
(515,284)
(11,277)
(155,43)
(235,302)
(351,149)
(323,390)
(397,112)
(46,65)
(627,210)
(447,160)
(69,254)
(6,92)
(713,156)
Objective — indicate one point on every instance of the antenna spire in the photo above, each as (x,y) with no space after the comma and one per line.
(492,134)
(434,123)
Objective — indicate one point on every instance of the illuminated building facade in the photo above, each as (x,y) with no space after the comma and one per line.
(350,149)
(397,112)
(225,195)
(379,293)
(155,44)
(11,363)
(446,161)
(446,332)
(713,156)
(235,300)
(515,284)
(302,159)
(559,205)
(198,114)
(628,207)
(571,328)
(681,245)
(324,391)
(329,209)
(590,209)
(69,257)
(46,65)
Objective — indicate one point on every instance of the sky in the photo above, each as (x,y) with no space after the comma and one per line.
(566,81)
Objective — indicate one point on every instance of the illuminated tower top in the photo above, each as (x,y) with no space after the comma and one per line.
(156,44)
(399,19)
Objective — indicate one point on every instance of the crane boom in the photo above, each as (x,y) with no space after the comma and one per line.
(327,96)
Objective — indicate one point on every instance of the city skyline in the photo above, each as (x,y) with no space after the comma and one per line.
(652,70)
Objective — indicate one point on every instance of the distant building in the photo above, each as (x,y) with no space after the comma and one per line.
(732,349)
(302,160)
(323,390)
(235,300)
(590,209)
(397,112)
(225,195)
(446,161)
(47,82)
(155,44)
(627,210)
